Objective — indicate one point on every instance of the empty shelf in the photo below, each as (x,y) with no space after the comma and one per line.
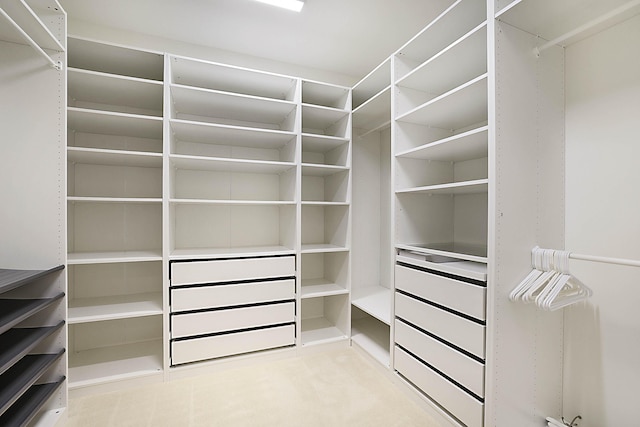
(113,257)
(115,307)
(29,21)
(17,380)
(374,300)
(95,156)
(320,330)
(108,123)
(464,187)
(457,250)
(14,311)
(322,247)
(235,252)
(373,337)
(17,342)
(229,165)
(468,145)
(312,288)
(309,169)
(11,279)
(25,408)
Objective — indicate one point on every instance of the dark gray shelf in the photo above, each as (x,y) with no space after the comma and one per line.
(14,311)
(17,342)
(25,408)
(11,279)
(17,380)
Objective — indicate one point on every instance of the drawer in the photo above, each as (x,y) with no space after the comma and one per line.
(227,270)
(192,350)
(459,403)
(460,367)
(455,294)
(208,322)
(203,297)
(457,330)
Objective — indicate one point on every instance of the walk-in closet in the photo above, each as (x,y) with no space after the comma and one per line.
(446,189)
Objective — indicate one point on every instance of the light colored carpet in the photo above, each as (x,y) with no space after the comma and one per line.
(333,388)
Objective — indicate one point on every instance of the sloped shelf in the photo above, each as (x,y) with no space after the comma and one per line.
(14,311)
(229,106)
(459,62)
(95,156)
(375,113)
(115,363)
(320,330)
(233,252)
(312,169)
(26,408)
(312,288)
(460,107)
(81,199)
(228,78)
(26,17)
(372,84)
(17,342)
(229,165)
(17,380)
(115,90)
(321,248)
(77,258)
(114,307)
(11,279)
(463,187)
(468,145)
(375,301)
(211,133)
(109,123)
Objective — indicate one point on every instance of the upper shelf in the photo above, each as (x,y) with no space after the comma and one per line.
(11,279)
(109,123)
(27,17)
(375,113)
(227,78)
(372,84)
(463,187)
(472,144)
(325,95)
(97,156)
(229,165)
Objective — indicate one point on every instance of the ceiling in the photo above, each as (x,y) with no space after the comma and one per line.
(348,37)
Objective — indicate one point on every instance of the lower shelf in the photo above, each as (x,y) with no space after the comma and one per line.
(121,362)
(27,407)
(373,337)
(374,300)
(320,330)
(114,307)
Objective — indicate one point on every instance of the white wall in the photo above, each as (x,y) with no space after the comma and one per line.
(83,29)
(602,338)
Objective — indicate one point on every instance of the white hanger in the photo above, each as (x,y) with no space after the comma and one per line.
(565,290)
(523,286)
(542,281)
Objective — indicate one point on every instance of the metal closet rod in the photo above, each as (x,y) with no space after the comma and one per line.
(605,260)
(585,27)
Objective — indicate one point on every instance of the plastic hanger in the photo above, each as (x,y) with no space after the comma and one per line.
(523,286)
(541,282)
(565,291)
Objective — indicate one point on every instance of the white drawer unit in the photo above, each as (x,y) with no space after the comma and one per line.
(229,270)
(463,297)
(456,401)
(216,321)
(224,295)
(193,350)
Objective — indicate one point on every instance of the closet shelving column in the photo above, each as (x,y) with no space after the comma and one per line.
(371,295)
(114,153)
(325,212)
(441,185)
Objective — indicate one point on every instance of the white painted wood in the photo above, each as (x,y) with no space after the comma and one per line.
(186,273)
(230,344)
(311,248)
(96,156)
(324,225)
(28,15)
(372,84)
(229,165)
(373,337)
(98,309)
(202,297)
(373,300)
(454,329)
(469,269)
(464,146)
(210,322)
(113,123)
(322,143)
(326,95)
(466,408)
(460,296)
(75,258)
(324,319)
(325,121)
(229,252)
(375,112)
(467,187)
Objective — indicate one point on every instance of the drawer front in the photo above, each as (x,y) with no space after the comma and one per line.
(226,270)
(202,297)
(193,350)
(208,322)
(455,294)
(461,368)
(462,405)
(457,330)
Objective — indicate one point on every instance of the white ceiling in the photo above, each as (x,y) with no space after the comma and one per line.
(349,37)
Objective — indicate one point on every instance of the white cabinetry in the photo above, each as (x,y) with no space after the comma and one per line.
(114,200)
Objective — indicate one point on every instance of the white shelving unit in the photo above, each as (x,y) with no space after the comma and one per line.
(114,199)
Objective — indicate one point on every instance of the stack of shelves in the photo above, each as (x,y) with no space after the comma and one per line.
(233,149)
(371,295)
(114,199)
(325,212)
(29,345)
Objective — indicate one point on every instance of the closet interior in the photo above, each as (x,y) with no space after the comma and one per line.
(192,213)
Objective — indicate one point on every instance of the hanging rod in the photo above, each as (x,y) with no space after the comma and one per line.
(589,25)
(55,64)
(605,260)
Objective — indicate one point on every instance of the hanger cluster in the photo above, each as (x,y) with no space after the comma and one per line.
(550,285)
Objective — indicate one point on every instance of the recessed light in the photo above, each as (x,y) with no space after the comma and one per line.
(295,5)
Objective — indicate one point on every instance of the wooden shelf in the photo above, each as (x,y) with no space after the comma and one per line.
(26,408)
(115,363)
(462,106)
(312,288)
(319,331)
(11,279)
(109,123)
(17,342)
(95,156)
(114,307)
(373,300)
(465,187)
(216,106)
(373,337)
(219,134)
(237,252)
(229,165)
(469,145)
(28,19)
(14,311)
(113,257)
